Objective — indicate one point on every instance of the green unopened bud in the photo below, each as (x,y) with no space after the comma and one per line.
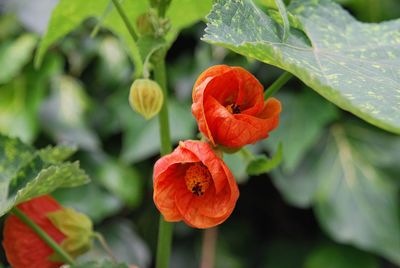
(77,228)
(146,97)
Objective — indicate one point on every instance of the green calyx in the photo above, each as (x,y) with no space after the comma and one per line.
(77,228)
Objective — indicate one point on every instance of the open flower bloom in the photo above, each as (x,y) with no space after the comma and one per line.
(25,249)
(229,106)
(194,185)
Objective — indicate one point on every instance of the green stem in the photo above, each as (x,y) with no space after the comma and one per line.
(165,229)
(124,17)
(162,7)
(43,235)
(277,84)
(161,78)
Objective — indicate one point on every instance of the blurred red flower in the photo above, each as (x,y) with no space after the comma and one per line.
(194,185)
(23,247)
(229,106)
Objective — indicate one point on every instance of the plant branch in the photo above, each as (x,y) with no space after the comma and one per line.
(162,7)
(282,80)
(43,235)
(161,78)
(165,229)
(124,17)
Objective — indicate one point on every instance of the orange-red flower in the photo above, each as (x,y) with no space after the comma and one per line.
(23,247)
(68,228)
(194,185)
(229,107)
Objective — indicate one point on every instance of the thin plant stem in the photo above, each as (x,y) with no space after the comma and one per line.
(162,7)
(105,245)
(209,245)
(161,78)
(124,17)
(282,80)
(43,235)
(165,229)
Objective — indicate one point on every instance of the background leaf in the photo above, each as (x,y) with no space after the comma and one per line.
(20,99)
(91,200)
(331,57)
(335,256)
(69,14)
(142,139)
(14,55)
(303,119)
(124,242)
(351,194)
(63,114)
(122,180)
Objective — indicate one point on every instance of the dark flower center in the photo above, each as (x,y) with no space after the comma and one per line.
(197,179)
(233,108)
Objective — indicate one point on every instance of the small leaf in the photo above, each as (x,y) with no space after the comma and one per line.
(56,154)
(262,164)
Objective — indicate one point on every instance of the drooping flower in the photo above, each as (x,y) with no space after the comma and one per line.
(68,228)
(229,106)
(194,185)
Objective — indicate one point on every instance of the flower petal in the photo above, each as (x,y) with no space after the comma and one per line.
(23,247)
(165,187)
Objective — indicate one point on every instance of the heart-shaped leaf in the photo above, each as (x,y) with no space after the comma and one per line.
(354,65)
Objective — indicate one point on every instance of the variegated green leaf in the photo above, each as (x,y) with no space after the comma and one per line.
(354,65)
(24,174)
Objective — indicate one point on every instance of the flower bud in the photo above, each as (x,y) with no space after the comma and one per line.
(146,97)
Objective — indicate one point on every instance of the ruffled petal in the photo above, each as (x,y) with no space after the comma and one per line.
(190,210)
(250,97)
(165,187)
